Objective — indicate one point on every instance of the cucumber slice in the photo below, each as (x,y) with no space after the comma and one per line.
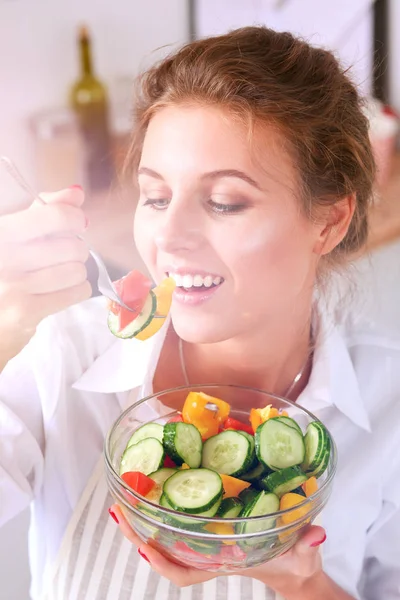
(193,490)
(317,443)
(146,456)
(279,446)
(248,495)
(253,446)
(206,548)
(138,324)
(255,475)
(179,520)
(230,508)
(284,481)
(228,453)
(160,477)
(323,464)
(263,504)
(290,422)
(150,430)
(183,444)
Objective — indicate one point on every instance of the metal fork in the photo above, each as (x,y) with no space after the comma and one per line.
(104,282)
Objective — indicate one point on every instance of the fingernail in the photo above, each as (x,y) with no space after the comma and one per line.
(113,515)
(76,186)
(315,544)
(143,555)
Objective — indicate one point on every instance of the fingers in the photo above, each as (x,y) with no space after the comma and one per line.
(73,195)
(55,279)
(310,541)
(38,221)
(41,254)
(179,576)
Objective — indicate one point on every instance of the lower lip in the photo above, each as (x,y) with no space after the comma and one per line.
(195,298)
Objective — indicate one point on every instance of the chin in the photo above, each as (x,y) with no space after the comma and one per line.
(200,330)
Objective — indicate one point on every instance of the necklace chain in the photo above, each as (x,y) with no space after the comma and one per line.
(186,378)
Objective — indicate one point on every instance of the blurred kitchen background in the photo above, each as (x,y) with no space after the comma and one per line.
(62,129)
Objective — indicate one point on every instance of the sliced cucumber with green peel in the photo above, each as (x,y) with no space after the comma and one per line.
(253,445)
(160,477)
(150,430)
(279,446)
(137,325)
(204,548)
(230,508)
(290,423)
(178,520)
(193,491)
(255,475)
(284,481)
(248,495)
(264,503)
(183,444)
(228,453)
(323,464)
(317,444)
(146,456)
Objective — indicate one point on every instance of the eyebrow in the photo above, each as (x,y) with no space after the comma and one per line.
(212,175)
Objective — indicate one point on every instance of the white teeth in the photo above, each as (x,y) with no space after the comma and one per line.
(187,281)
(197,281)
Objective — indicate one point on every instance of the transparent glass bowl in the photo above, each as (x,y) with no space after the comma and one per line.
(187,541)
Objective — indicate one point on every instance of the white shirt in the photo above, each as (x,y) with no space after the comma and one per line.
(60,396)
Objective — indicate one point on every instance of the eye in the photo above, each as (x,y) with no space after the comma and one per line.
(156,203)
(229,209)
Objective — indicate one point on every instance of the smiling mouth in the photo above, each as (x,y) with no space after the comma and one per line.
(195,282)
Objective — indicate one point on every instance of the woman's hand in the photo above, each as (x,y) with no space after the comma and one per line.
(42,268)
(290,574)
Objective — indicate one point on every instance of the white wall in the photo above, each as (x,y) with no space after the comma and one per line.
(38,58)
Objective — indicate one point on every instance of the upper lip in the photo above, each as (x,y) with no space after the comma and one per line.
(190,271)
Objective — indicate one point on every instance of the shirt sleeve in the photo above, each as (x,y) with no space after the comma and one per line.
(381,569)
(22,439)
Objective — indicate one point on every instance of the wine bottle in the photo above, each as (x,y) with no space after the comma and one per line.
(90,104)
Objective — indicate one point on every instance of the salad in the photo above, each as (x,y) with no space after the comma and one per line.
(205,463)
(148,307)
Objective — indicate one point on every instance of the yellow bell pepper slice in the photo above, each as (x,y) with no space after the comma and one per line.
(289,501)
(207,421)
(233,486)
(163,293)
(184,466)
(222,529)
(260,415)
(310,486)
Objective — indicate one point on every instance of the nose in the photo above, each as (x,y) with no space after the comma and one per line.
(181,229)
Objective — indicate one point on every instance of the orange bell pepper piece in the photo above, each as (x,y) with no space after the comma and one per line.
(310,486)
(289,501)
(222,529)
(260,415)
(233,486)
(207,421)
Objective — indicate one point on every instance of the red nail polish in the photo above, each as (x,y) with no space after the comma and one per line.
(143,555)
(315,544)
(76,187)
(113,515)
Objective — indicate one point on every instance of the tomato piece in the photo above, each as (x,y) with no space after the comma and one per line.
(133,290)
(139,482)
(169,463)
(176,419)
(231,423)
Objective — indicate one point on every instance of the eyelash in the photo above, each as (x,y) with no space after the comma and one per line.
(216,207)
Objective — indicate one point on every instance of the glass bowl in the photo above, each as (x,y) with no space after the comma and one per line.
(185,539)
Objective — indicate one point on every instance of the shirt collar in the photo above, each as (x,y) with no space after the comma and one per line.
(128,364)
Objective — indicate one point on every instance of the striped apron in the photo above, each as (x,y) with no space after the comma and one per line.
(96,562)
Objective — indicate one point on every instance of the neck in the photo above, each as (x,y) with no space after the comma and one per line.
(251,361)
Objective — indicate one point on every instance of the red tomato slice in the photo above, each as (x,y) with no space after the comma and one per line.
(169,463)
(238,426)
(138,482)
(133,290)
(176,419)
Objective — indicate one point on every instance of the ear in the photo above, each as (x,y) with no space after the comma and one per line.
(335,224)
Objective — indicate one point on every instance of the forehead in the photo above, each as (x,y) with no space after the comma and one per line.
(190,139)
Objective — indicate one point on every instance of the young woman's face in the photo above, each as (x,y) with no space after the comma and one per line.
(225,224)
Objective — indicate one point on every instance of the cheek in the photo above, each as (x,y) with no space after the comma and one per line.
(144,241)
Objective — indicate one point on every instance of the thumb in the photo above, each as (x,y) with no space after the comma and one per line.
(73,195)
(310,541)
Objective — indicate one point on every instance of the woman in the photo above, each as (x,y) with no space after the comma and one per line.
(255,173)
